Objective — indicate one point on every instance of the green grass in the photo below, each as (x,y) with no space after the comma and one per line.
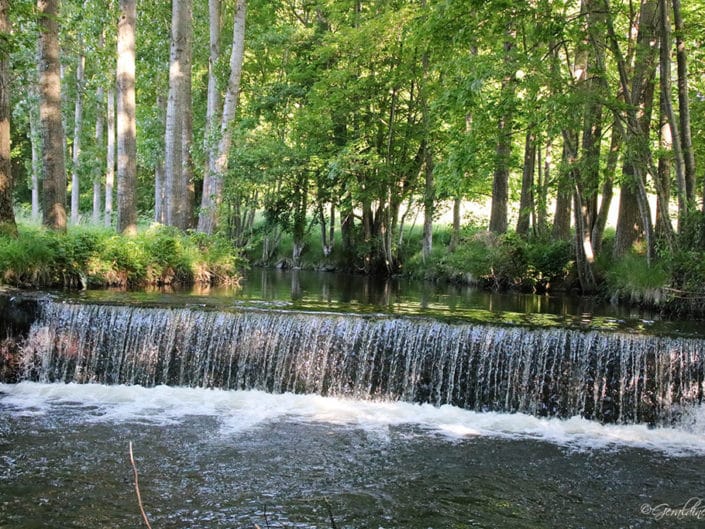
(97,257)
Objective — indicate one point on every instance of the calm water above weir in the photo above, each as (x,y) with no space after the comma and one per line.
(322,291)
(318,401)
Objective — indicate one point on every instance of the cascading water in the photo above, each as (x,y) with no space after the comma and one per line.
(607,376)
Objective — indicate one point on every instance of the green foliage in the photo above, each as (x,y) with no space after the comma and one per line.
(499,262)
(97,257)
(632,278)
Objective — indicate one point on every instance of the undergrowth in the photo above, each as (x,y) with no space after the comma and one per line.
(498,262)
(97,257)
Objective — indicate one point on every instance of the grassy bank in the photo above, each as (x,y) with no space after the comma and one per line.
(96,257)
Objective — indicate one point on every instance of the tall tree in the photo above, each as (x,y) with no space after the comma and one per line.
(126,120)
(683,102)
(638,92)
(503,149)
(53,158)
(685,191)
(212,112)
(110,157)
(77,131)
(178,110)
(99,138)
(212,197)
(7,214)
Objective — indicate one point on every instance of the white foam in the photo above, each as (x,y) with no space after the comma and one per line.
(243,410)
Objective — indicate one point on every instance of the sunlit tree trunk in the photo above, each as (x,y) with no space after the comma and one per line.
(7,214)
(208,220)
(53,157)
(126,121)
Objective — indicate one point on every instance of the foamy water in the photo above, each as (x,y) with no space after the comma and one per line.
(239,411)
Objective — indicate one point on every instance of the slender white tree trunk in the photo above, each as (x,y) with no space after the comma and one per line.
(76,148)
(99,127)
(36,140)
(209,223)
(110,158)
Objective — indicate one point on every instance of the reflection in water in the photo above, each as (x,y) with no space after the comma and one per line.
(325,291)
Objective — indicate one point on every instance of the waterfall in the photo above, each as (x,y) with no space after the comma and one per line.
(601,375)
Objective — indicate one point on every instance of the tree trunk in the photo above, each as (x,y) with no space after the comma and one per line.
(684,191)
(99,128)
(526,201)
(638,95)
(208,219)
(110,158)
(126,124)
(177,144)
(683,104)
(598,229)
(212,110)
(7,214)
(36,139)
(503,150)
(561,216)
(664,163)
(53,158)
(159,172)
(187,174)
(455,234)
(77,130)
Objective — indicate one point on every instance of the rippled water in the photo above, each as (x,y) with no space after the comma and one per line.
(233,459)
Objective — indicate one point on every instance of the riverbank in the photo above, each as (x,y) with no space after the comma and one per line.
(90,257)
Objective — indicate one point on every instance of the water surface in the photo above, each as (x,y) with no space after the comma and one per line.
(212,459)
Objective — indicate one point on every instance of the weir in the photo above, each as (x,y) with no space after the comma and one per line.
(601,375)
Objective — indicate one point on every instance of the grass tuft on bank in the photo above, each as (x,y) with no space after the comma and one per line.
(90,257)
